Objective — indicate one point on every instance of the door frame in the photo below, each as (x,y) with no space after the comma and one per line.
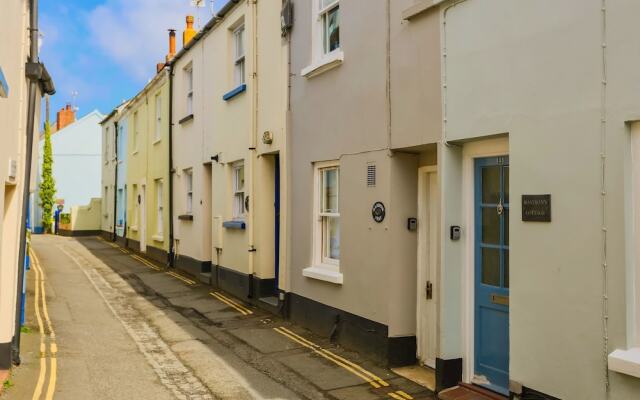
(423,241)
(470,152)
(143,217)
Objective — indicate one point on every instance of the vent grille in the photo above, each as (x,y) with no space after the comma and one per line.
(371,175)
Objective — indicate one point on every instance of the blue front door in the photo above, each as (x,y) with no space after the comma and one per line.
(492,273)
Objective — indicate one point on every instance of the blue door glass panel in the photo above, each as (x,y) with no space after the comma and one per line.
(492,272)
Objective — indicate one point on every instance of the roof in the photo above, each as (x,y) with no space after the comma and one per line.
(215,20)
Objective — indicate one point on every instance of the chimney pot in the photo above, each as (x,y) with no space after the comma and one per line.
(189,32)
(172,44)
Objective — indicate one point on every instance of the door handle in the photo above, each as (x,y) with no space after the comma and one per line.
(429,290)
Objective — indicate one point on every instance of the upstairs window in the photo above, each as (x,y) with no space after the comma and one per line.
(188,186)
(158,131)
(188,76)
(136,131)
(107,139)
(329,17)
(238,56)
(239,208)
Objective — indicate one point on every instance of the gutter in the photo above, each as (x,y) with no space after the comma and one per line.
(115,183)
(213,22)
(37,75)
(171,172)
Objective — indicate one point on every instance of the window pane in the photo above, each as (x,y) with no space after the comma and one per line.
(490,184)
(331,237)
(330,190)
(239,179)
(333,29)
(491,266)
(490,225)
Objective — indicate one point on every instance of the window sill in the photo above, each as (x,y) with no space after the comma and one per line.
(156,141)
(134,228)
(237,224)
(157,238)
(186,119)
(185,217)
(233,93)
(135,152)
(626,361)
(328,62)
(324,273)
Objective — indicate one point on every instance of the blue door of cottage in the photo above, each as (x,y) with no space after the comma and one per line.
(492,273)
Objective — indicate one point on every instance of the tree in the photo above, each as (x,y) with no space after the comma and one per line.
(48,184)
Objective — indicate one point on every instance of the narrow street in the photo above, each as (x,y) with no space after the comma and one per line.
(116,326)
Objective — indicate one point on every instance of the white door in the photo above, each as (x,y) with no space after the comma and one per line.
(143,218)
(428,265)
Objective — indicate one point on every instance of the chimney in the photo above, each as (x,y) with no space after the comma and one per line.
(189,32)
(172,45)
(66,116)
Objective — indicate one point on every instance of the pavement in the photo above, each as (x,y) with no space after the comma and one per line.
(114,325)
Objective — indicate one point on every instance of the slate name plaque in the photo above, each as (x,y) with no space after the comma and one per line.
(536,207)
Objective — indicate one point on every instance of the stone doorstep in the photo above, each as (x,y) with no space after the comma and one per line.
(4,375)
(469,392)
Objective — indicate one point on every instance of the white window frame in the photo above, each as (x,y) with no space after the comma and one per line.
(158,130)
(159,186)
(323,18)
(322,266)
(238,190)
(188,188)
(105,201)
(322,60)
(239,53)
(627,360)
(188,73)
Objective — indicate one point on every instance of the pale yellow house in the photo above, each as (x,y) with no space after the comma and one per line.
(147,179)
(229,111)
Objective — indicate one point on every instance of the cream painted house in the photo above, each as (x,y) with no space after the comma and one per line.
(147,172)
(111,128)
(230,152)
(15,108)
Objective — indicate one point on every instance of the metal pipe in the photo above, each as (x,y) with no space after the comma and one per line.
(31,109)
(115,185)
(171,238)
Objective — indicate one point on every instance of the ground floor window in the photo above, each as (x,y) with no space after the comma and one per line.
(328,214)
(239,207)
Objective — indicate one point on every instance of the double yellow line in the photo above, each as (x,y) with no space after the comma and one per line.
(400,395)
(235,305)
(41,294)
(149,264)
(355,369)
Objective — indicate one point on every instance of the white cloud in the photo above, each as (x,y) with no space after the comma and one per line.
(134,33)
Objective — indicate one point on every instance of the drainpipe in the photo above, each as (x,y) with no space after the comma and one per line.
(115,186)
(171,241)
(33,76)
(253,141)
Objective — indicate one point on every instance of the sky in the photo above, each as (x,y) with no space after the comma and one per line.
(101,52)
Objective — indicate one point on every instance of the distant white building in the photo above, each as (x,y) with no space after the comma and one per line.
(77,157)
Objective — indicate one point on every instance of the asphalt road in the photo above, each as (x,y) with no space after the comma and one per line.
(115,326)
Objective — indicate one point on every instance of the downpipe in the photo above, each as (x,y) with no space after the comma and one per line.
(172,257)
(31,109)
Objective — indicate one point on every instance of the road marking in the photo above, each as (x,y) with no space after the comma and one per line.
(145,262)
(184,279)
(344,360)
(53,347)
(173,374)
(404,395)
(43,347)
(237,306)
(355,369)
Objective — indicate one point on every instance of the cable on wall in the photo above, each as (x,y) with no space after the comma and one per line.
(603,194)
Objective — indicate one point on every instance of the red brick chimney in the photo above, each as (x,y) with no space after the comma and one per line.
(66,116)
